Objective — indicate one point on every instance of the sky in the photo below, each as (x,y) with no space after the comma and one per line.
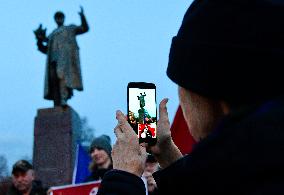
(128,40)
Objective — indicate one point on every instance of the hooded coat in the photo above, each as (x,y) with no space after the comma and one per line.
(64,51)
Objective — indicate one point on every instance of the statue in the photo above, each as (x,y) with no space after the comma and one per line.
(142,99)
(141,111)
(63,72)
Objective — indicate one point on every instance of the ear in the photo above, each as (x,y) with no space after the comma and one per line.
(225,107)
(32,172)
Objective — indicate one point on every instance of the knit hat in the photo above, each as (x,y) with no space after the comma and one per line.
(21,166)
(230,50)
(102,142)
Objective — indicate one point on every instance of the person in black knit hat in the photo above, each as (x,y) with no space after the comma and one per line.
(100,151)
(226,60)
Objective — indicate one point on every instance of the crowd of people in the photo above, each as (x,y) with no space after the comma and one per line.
(226,60)
(24,180)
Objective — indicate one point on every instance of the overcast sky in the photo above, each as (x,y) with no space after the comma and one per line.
(128,40)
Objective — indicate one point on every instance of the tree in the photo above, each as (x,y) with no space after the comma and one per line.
(86,133)
(3,167)
(27,158)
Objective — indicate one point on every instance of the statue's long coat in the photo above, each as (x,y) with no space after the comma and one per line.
(63,49)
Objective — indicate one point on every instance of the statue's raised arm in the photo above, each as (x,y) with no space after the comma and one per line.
(84,25)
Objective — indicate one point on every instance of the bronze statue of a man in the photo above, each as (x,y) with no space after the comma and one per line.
(141,98)
(63,72)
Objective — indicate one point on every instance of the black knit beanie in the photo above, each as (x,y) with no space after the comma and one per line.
(102,142)
(230,50)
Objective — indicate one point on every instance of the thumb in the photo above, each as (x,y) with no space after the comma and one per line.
(163,111)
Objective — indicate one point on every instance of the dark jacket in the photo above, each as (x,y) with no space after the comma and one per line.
(97,174)
(244,155)
(121,182)
(37,189)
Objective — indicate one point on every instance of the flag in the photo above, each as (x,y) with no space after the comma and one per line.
(82,161)
(180,133)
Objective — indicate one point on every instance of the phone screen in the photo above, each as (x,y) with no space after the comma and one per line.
(142,111)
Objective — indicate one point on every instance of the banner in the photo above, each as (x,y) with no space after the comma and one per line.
(90,188)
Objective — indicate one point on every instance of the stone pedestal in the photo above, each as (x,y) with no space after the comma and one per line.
(55,135)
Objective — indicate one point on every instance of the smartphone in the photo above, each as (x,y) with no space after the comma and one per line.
(142,111)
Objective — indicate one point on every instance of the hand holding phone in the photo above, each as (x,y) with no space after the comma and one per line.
(142,111)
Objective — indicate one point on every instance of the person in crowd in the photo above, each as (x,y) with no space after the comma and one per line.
(23,178)
(151,166)
(100,151)
(5,184)
(226,60)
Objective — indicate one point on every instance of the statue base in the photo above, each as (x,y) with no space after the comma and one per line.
(55,135)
